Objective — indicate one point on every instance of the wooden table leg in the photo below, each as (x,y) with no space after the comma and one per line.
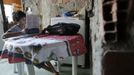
(15,68)
(20,67)
(31,70)
(74,65)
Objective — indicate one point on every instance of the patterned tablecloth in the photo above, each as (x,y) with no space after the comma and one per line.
(41,48)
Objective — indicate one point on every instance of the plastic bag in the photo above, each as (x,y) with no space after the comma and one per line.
(62,29)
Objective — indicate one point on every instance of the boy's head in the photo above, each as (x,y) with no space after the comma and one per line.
(18,15)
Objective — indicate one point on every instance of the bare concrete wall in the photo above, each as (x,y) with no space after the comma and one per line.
(1,30)
(47,9)
(97,37)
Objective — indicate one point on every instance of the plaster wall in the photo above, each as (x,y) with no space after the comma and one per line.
(97,38)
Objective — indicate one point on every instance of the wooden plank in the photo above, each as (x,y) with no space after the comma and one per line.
(12,1)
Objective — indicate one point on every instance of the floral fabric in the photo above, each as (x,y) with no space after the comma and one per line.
(42,48)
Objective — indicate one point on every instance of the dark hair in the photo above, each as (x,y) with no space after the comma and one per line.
(18,15)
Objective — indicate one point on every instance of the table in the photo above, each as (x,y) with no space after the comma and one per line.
(42,48)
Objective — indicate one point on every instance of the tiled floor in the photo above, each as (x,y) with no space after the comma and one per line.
(7,69)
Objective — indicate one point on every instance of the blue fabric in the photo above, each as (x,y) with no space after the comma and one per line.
(15,28)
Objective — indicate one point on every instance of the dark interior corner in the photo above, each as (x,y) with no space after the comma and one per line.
(119,37)
(118,63)
(119,32)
